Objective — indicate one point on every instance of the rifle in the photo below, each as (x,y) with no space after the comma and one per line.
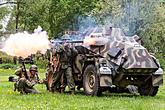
(38,79)
(24,69)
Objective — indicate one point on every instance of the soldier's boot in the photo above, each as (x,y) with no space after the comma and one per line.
(55,90)
(72,91)
(47,86)
(51,90)
(79,87)
(62,89)
(15,86)
(22,91)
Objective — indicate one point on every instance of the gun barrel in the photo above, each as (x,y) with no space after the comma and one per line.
(24,69)
(75,41)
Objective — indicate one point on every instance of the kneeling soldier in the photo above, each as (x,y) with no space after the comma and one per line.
(25,85)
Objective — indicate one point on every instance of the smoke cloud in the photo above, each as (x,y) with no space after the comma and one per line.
(24,44)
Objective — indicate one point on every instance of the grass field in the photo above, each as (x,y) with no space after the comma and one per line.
(10,100)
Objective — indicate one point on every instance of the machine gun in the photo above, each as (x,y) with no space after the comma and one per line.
(61,41)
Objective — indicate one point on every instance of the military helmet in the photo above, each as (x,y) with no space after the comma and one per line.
(33,68)
(59,48)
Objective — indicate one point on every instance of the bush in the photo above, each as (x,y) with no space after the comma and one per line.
(162,63)
(8,66)
(6,58)
(8,62)
(161,58)
(41,63)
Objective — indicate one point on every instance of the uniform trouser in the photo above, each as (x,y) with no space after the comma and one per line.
(68,73)
(24,88)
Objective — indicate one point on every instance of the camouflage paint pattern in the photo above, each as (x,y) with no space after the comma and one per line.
(137,58)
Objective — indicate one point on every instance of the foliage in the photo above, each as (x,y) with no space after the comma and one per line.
(1,27)
(106,11)
(130,15)
(6,58)
(8,62)
(64,14)
(30,14)
(34,13)
(7,66)
(55,16)
(154,34)
(41,63)
(3,12)
(162,63)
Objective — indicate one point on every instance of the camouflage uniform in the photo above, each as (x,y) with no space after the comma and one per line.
(26,85)
(65,53)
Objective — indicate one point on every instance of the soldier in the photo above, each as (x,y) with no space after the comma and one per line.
(65,54)
(25,85)
(53,67)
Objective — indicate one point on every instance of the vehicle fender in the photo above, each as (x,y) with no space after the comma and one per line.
(157,77)
(105,77)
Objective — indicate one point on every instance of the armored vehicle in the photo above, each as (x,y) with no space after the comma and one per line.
(108,59)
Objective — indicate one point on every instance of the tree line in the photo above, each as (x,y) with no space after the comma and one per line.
(145,18)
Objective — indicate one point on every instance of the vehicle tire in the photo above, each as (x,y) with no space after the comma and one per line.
(148,89)
(91,83)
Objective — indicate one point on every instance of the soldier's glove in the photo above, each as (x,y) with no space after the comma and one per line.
(42,81)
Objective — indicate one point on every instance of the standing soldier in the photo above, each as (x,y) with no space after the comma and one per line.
(53,68)
(65,58)
(25,85)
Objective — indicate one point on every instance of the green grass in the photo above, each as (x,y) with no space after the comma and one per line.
(10,100)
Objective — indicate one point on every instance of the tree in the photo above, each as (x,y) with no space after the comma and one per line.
(130,15)
(154,33)
(3,12)
(29,14)
(64,13)
(55,16)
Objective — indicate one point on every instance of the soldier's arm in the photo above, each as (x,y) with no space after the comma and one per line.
(42,81)
(18,72)
(30,84)
(37,80)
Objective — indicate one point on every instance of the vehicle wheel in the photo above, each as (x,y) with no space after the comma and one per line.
(148,89)
(91,81)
